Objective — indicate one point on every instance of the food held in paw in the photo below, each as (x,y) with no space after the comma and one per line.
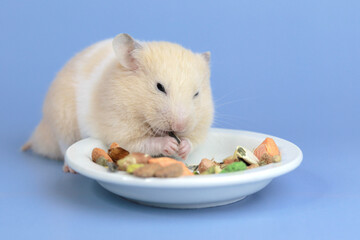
(172,134)
(268,152)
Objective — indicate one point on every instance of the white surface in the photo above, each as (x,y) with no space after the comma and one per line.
(194,191)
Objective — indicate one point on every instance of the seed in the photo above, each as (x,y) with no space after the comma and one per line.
(241,151)
(172,134)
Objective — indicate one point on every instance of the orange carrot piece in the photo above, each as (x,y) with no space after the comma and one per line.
(166,161)
(114,145)
(98,152)
(268,148)
(163,161)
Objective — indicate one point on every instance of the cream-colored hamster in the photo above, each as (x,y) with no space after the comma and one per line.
(130,92)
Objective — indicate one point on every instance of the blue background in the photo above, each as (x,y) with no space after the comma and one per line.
(285,68)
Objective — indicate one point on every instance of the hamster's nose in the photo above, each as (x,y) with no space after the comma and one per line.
(178,126)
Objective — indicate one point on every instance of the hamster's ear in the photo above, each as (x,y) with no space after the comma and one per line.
(124,46)
(206,56)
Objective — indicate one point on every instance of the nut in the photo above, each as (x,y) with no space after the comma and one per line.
(117,153)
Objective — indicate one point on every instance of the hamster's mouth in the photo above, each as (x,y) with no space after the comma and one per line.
(160,132)
(169,133)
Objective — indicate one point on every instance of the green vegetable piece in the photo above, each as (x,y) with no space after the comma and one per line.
(132,167)
(102,161)
(234,167)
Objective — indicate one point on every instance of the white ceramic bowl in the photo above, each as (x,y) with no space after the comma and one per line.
(197,191)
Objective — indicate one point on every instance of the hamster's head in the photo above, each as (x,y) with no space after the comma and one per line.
(170,84)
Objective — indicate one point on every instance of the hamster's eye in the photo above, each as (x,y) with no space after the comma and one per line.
(196,94)
(160,87)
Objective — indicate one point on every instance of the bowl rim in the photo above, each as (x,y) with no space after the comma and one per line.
(96,172)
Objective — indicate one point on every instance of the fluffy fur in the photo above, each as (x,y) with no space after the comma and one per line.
(109,91)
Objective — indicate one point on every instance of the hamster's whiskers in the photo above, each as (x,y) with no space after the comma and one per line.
(154,131)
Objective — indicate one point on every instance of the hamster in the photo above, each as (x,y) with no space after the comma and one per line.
(130,92)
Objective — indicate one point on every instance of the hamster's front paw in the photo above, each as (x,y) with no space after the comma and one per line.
(169,146)
(67,169)
(184,148)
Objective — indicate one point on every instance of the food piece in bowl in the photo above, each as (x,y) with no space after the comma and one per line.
(234,167)
(141,157)
(113,167)
(212,170)
(165,161)
(125,162)
(132,167)
(170,171)
(132,158)
(230,160)
(268,152)
(102,161)
(114,145)
(252,166)
(205,164)
(117,153)
(244,154)
(148,170)
(97,153)
(143,165)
